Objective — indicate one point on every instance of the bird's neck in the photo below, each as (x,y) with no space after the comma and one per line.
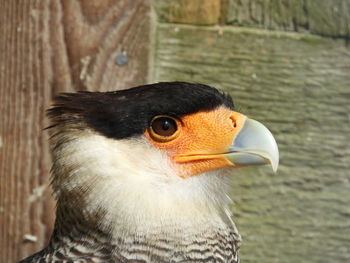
(153,241)
(151,223)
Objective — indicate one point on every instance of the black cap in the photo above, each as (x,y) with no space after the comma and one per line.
(125,113)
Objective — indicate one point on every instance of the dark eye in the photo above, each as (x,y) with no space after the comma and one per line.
(164,126)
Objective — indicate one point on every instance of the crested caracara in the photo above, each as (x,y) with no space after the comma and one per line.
(140,175)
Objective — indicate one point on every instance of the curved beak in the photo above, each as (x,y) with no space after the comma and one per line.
(253,145)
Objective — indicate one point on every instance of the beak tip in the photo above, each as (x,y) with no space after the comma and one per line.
(274,167)
(275,158)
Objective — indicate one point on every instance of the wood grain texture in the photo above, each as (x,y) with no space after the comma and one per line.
(198,12)
(47,47)
(298,85)
(323,17)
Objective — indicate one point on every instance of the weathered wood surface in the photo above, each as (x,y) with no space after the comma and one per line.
(198,12)
(299,86)
(47,47)
(323,17)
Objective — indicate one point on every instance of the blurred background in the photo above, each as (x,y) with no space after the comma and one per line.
(286,63)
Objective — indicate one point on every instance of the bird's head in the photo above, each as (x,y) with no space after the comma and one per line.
(157,149)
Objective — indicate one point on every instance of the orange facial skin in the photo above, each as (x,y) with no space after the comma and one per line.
(201,140)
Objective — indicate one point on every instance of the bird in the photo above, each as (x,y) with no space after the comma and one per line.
(142,174)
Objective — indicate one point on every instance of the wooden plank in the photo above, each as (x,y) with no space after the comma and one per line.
(298,85)
(198,12)
(323,17)
(49,47)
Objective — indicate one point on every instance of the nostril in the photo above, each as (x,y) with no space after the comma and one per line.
(234,122)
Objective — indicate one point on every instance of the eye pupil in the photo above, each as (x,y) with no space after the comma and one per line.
(164,126)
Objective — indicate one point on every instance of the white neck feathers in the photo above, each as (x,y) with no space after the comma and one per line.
(135,186)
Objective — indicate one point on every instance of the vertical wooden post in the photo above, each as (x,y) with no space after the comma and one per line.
(47,47)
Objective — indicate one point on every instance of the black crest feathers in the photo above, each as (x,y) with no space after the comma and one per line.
(125,113)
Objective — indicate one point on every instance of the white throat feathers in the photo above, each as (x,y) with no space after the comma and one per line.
(132,186)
